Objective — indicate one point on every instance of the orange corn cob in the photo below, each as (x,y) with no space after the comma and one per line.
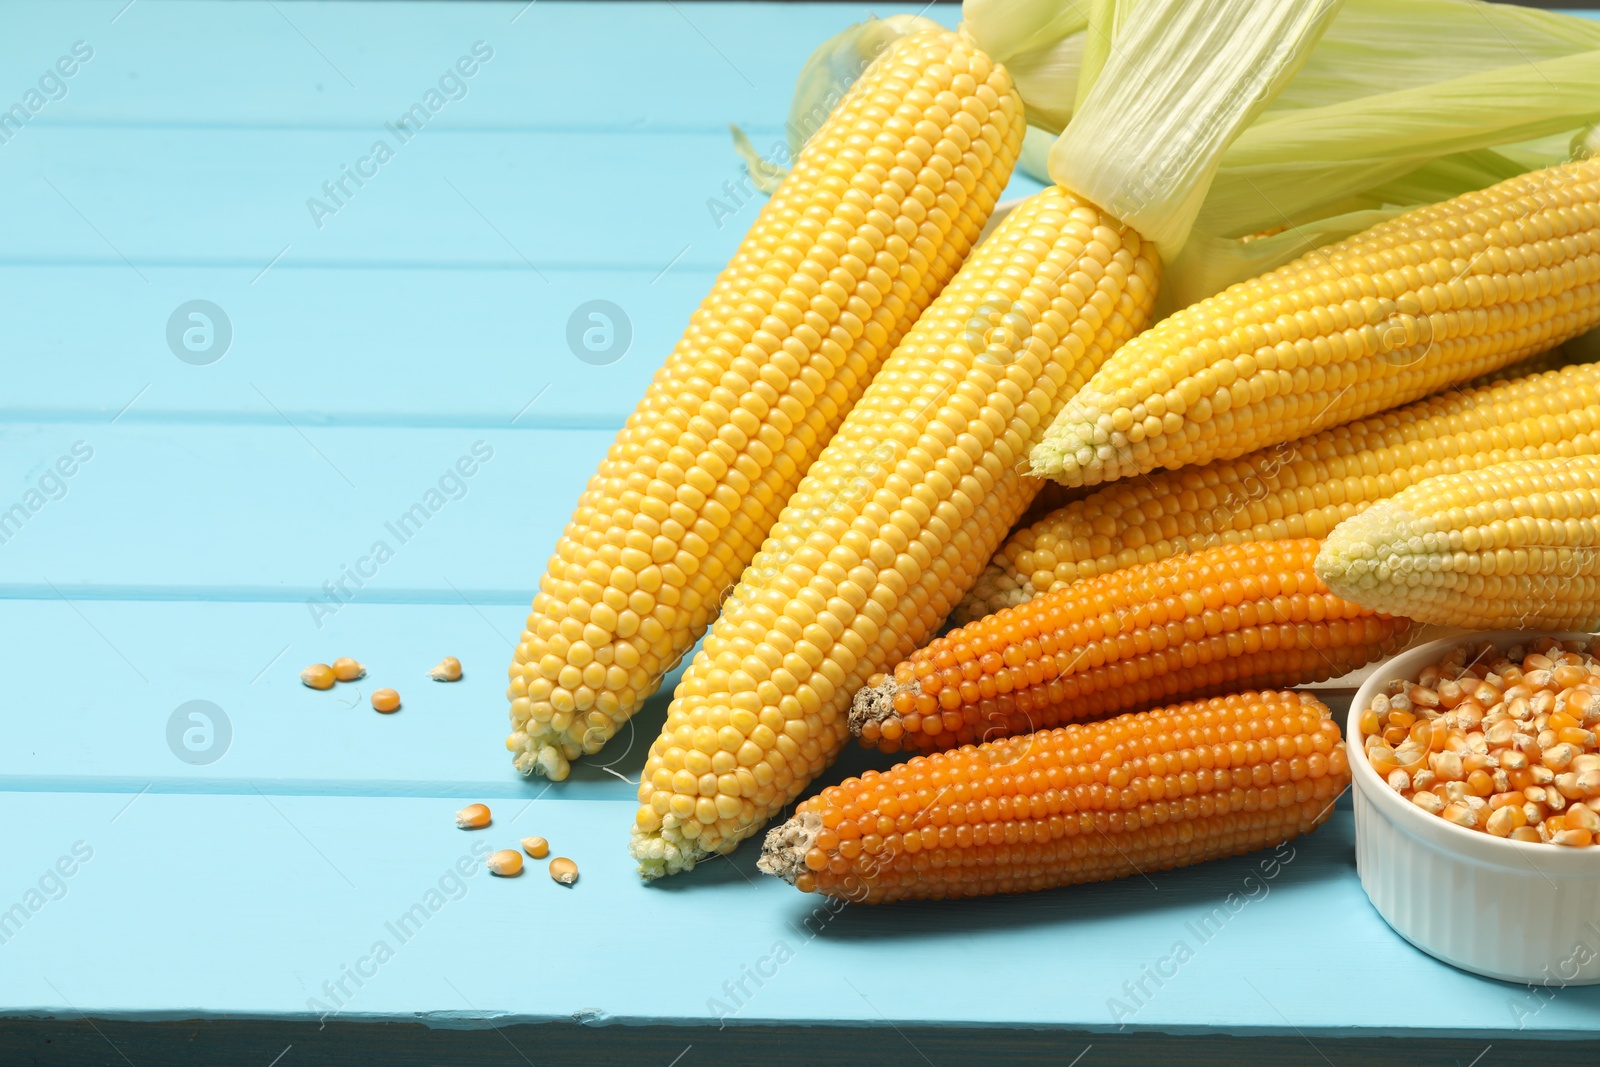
(1224,619)
(1142,792)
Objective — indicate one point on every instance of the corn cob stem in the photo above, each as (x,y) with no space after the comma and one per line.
(1438,295)
(1229,618)
(1514,545)
(881,207)
(890,525)
(1143,792)
(1301,489)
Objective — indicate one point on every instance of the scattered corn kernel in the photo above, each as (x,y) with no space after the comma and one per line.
(348,670)
(1508,756)
(507,863)
(473,817)
(537,847)
(318,676)
(385,700)
(563,870)
(448,670)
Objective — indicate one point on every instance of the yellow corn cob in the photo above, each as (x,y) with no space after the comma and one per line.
(891,523)
(1435,296)
(1302,489)
(1229,618)
(1514,545)
(879,211)
(1147,791)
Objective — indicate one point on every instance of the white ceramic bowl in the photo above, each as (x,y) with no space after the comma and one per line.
(1515,910)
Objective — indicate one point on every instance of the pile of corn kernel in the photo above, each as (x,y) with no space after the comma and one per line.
(1502,742)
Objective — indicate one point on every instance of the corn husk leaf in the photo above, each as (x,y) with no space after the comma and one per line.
(1181,81)
(822,83)
(1472,93)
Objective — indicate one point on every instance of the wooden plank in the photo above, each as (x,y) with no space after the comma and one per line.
(369,355)
(274,511)
(424,347)
(261,67)
(244,659)
(201,1043)
(252,905)
(145,197)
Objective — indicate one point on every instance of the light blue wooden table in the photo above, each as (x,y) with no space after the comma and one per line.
(194,518)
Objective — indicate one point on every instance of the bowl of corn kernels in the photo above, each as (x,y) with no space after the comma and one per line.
(1477,802)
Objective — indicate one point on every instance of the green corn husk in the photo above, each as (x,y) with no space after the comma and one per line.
(1179,85)
(1472,93)
(1040,42)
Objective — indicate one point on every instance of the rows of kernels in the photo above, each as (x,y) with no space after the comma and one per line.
(1142,792)
(1503,743)
(890,525)
(1228,618)
(879,211)
(1438,295)
(1301,489)
(1513,545)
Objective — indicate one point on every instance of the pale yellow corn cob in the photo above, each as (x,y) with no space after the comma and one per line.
(879,211)
(1301,489)
(1514,545)
(1435,296)
(890,525)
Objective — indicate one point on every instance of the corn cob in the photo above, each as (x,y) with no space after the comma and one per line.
(1147,791)
(881,208)
(1514,545)
(1435,296)
(1229,618)
(891,523)
(1302,489)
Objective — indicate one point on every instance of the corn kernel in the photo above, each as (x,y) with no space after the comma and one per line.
(1531,774)
(473,817)
(537,847)
(348,670)
(318,676)
(385,700)
(507,863)
(447,670)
